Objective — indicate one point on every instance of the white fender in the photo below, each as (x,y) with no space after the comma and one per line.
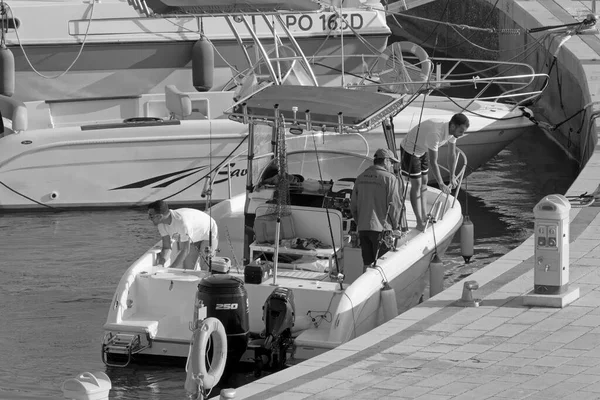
(421,54)
(196,367)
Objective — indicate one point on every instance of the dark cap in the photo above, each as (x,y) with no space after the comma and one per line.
(385,153)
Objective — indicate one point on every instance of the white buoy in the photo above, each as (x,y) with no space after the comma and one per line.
(467,238)
(87,386)
(436,276)
(388,301)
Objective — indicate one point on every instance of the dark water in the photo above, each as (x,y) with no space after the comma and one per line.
(59,271)
(501,195)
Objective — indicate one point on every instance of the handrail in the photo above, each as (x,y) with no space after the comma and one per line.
(514,86)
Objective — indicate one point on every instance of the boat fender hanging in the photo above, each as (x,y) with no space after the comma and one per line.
(436,276)
(203,65)
(7,71)
(388,302)
(421,54)
(467,238)
(196,363)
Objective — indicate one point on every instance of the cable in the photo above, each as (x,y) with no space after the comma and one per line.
(335,256)
(93,5)
(226,159)
(57,209)
(211,251)
(353,316)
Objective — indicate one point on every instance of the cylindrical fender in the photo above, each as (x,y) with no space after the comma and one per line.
(196,364)
(421,54)
(7,71)
(203,65)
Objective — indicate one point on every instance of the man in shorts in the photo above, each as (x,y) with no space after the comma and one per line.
(376,205)
(191,229)
(419,146)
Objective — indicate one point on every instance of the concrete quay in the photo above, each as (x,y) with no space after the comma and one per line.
(499,350)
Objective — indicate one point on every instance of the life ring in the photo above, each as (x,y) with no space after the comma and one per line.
(196,363)
(421,54)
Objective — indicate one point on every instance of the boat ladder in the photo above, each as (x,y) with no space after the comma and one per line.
(127,344)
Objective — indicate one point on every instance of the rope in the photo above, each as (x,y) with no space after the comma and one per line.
(235,260)
(93,5)
(335,256)
(57,209)
(226,159)
(582,200)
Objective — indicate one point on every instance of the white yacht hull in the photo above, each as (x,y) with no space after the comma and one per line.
(82,155)
(125,54)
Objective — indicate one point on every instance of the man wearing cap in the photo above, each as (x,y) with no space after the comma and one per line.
(376,205)
(422,143)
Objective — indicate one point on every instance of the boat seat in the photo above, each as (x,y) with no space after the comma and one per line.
(16,111)
(308,222)
(146,325)
(178,103)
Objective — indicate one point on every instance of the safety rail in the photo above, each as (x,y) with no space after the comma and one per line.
(514,87)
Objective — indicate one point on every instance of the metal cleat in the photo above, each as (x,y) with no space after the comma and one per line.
(467,299)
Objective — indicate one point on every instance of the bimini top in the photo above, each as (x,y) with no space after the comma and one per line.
(317,108)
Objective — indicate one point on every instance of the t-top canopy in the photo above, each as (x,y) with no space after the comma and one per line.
(354,110)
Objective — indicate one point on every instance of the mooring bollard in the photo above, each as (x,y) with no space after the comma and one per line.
(227,394)
(467,299)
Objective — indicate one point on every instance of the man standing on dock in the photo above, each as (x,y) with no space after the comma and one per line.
(421,143)
(376,205)
(190,228)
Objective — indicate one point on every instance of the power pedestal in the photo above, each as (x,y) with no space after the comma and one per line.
(551,270)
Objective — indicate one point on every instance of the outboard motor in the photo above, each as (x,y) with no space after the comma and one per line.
(278,316)
(226,299)
(278,313)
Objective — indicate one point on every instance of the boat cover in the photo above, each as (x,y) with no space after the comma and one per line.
(360,110)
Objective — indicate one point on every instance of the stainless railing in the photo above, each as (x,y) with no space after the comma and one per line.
(518,88)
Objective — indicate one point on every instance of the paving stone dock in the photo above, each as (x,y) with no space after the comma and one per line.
(499,350)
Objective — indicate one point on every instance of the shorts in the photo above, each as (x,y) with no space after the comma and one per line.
(413,166)
(369,241)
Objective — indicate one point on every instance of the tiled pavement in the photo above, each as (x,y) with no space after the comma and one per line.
(500,350)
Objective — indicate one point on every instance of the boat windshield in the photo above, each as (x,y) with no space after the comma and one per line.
(321,156)
(327,165)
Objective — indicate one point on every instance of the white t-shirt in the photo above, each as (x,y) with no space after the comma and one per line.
(188,224)
(430,134)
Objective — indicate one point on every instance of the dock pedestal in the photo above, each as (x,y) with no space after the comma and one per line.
(551,300)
